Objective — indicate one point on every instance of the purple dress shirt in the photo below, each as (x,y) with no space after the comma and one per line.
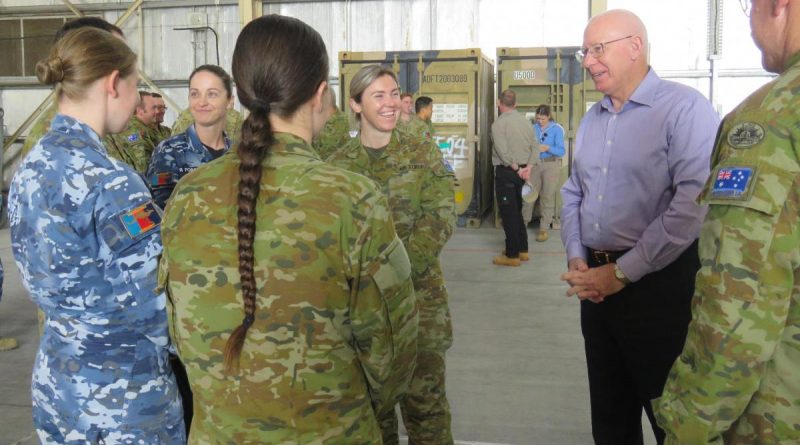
(636,175)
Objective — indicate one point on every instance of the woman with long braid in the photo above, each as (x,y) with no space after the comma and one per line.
(290,295)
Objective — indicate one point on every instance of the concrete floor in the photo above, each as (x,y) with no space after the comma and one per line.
(516,373)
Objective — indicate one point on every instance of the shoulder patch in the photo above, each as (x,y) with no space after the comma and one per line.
(141,220)
(133,137)
(745,135)
(732,183)
(162,178)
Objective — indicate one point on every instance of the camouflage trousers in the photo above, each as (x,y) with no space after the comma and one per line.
(544,182)
(424,407)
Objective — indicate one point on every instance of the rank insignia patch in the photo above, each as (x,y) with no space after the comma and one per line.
(745,135)
(141,220)
(732,182)
(163,178)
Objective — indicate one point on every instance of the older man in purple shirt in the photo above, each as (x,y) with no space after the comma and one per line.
(630,222)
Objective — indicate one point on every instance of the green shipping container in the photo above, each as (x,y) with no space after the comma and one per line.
(461,84)
(550,76)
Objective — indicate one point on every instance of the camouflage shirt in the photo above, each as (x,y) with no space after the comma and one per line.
(416,127)
(736,379)
(334,337)
(85,237)
(173,159)
(334,135)
(134,145)
(419,185)
(233,123)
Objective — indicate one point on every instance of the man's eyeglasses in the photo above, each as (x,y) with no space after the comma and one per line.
(747,6)
(597,50)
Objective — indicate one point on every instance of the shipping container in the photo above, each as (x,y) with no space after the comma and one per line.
(549,76)
(461,84)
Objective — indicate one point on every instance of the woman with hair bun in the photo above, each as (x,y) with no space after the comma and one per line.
(290,298)
(85,237)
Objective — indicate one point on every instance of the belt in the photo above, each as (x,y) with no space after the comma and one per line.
(509,167)
(605,256)
(551,159)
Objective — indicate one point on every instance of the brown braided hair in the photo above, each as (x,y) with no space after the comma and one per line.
(278,64)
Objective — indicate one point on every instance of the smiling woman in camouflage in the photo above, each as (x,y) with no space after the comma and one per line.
(85,237)
(290,294)
(418,183)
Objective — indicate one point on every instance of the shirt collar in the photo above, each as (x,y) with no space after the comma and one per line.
(645,93)
(69,125)
(194,139)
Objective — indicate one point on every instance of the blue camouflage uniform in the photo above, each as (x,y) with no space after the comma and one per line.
(85,236)
(173,159)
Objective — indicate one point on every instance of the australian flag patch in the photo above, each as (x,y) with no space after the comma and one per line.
(141,220)
(732,182)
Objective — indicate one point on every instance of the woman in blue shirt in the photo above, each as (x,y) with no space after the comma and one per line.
(210,97)
(85,236)
(544,175)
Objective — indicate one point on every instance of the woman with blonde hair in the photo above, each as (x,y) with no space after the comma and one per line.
(85,237)
(419,185)
(290,297)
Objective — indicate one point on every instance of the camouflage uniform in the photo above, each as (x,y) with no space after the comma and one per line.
(114,147)
(162,132)
(173,159)
(39,129)
(233,123)
(334,337)
(420,187)
(134,145)
(736,379)
(334,135)
(416,127)
(85,238)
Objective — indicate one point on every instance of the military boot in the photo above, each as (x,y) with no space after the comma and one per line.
(503,260)
(523,256)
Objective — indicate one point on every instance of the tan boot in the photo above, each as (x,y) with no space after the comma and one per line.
(503,260)
(523,256)
(542,236)
(8,343)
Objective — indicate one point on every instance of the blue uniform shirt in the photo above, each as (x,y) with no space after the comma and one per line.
(85,236)
(173,159)
(553,137)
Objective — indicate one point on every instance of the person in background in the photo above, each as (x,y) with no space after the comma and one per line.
(424,109)
(136,142)
(630,223)
(290,293)
(233,123)
(210,96)
(736,380)
(85,237)
(513,157)
(419,185)
(162,131)
(336,132)
(544,175)
(406,107)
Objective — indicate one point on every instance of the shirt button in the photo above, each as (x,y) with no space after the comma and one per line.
(608,142)
(600,198)
(605,170)
(596,226)
(613,117)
